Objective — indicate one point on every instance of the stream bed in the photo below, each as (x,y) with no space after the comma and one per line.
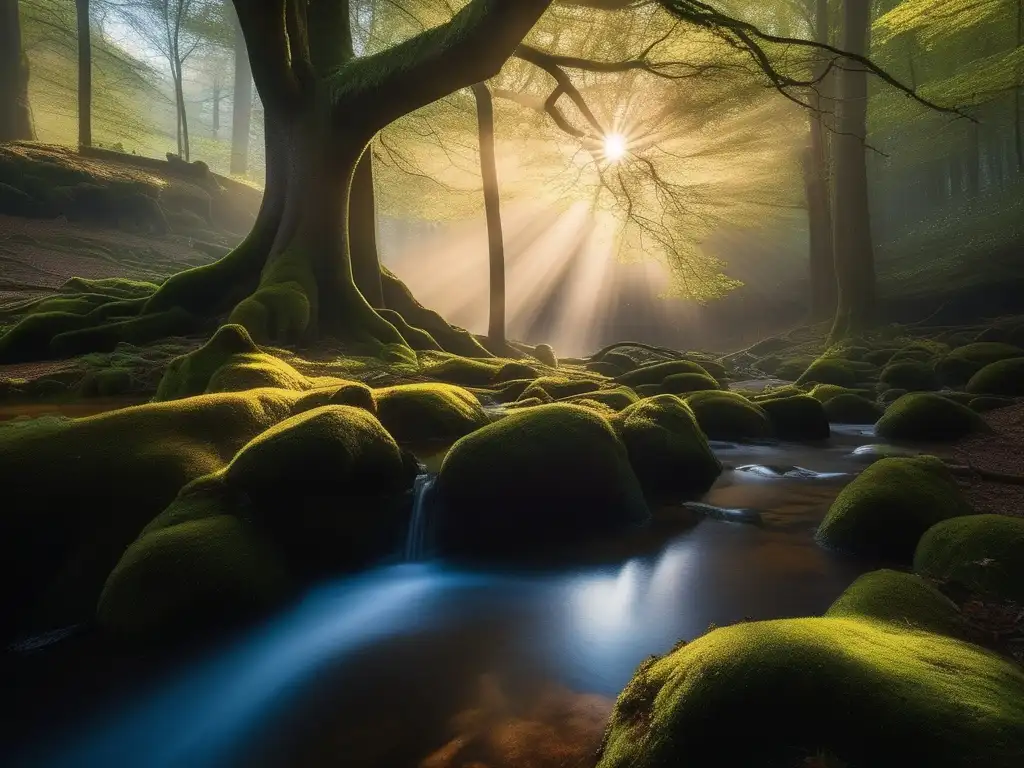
(369,669)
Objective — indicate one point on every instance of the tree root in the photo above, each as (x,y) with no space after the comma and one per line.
(970,471)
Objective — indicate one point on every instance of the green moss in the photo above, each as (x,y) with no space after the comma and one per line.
(116,472)
(546,355)
(902,599)
(113,287)
(667,449)
(464,371)
(683,383)
(728,416)
(544,476)
(416,338)
(339,393)
(620,360)
(984,553)
(987,403)
(851,409)
(791,368)
(789,390)
(657,373)
(962,363)
(831,370)
(601,409)
(252,370)
(910,375)
(890,396)
(203,571)
(30,338)
(190,374)
(715,369)
(886,508)
(419,412)
(605,369)
(138,330)
(825,392)
(801,687)
(879,357)
(549,388)
(107,382)
(515,370)
(799,417)
(529,402)
(1005,378)
(925,416)
(615,398)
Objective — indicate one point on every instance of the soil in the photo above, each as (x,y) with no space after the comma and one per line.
(998,452)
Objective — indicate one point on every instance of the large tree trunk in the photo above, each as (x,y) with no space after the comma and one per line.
(492,209)
(854,256)
(241,108)
(84,74)
(362,216)
(15,112)
(816,186)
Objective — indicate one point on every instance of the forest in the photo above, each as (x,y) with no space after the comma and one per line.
(512,383)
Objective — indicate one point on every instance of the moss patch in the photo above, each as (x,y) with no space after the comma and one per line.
(684,383)
(944,703)
(911,375)
(615,398)
(851,409)
(657,373)
(885,510)
(902,599)
(799,417)
(962,363)
(984,553)
(190,374)
(830,370)
(418,412)
(667,449)
(728,416)
(541,477)
(925,416)
(1005,378)
(464,371)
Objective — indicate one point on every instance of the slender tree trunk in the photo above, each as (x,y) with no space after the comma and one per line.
(816,186)
(492,208)
(362,215)
(855,262)
(182,114)
(241,108)
(15,111)
(84,74)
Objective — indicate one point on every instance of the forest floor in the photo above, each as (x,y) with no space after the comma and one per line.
(998,452)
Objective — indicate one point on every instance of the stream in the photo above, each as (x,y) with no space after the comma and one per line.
(369,669)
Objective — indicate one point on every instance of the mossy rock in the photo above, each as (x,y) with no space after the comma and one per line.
(984,553)
(196,573)
(667,449)
(616,398)
(791,368)
(30,338)
(353,393)
(550,388)
(424,412)
(546,355)
(903,599)
(728,416)
(944,703)
(529,402)
(657,373)
(790,390)
(605,369)
(464,371)
(825,392)
(831,370)
(911,375)
(715,369)
(963,398)
(542,477)
(851,409)
(879,357)
(926,416)
(962,363)
(250,370)
(987,403)
(620,360)
(1004,378)
(107,382)
(884,511)
(190,374)
(799,417)
(890,396)
(684,383)
(514,370)
(116,472)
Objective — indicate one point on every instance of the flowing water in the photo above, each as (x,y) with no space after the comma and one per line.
(368,670)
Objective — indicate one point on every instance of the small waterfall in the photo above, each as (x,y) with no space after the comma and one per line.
(416,540)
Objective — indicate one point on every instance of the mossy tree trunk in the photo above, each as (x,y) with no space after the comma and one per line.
(323,107)
(15,111)
(84,74)
(816,186)
(854,255)
(492,208)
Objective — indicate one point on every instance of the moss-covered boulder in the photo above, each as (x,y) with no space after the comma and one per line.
(926,416)
(729,416)
(657,373)
(424,412)
(799,417)
(790,368)
(116,471)
(464,371)
(911,375)
(789,390)
(550,388)
(890,396)
(546,355)
(866,693)
(683,383)
(615,398)
(197,573)
(514,370)
(825,392)
(549,475)
(879,356)
(984,553)
(957,367)
(830,370)
(1005,378)
(254,370)
(190,374)
(903,599)
(986,403)
(339,393)
(884,511)
(851,409)
(667,448)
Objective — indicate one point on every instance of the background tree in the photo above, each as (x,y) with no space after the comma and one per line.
(15,111)
(84,73)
